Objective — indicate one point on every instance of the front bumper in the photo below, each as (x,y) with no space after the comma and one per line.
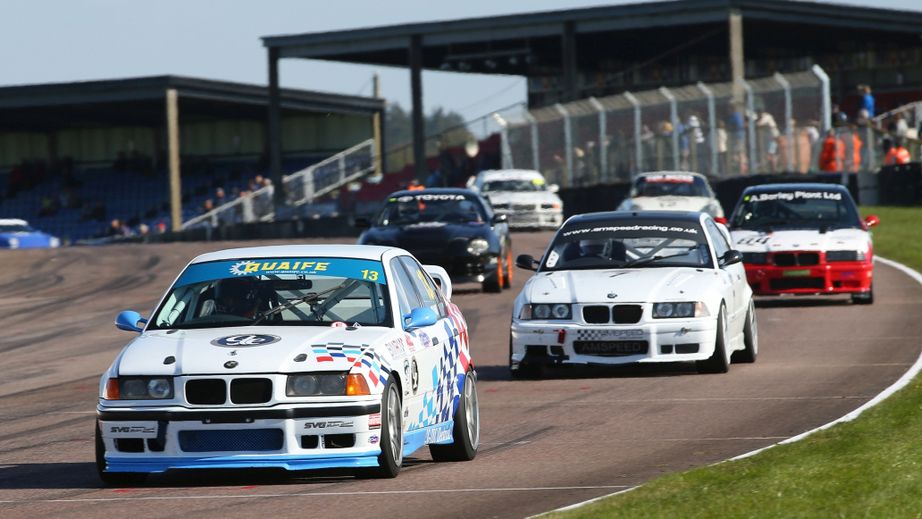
(533,219)
(666,340)
(462,268)
(293,438)
(839,277)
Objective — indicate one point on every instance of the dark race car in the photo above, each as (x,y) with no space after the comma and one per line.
(454,228)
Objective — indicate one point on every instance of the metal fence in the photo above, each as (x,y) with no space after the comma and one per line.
(766,125)
(302,189)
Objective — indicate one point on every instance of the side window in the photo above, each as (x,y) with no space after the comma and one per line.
(720,241)
(407,299)
(429,294)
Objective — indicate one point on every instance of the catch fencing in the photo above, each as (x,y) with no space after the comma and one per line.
(768,125)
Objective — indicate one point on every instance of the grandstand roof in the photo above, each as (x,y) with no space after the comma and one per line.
(537,34)
(55,105)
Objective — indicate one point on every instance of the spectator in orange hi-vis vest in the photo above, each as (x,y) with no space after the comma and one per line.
(855,165)
(897,154)
(832,155)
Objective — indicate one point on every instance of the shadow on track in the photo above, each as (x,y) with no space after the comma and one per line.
(802,301)
(498,373)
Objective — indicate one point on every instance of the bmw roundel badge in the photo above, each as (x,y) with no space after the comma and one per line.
(245,339)
(231,364)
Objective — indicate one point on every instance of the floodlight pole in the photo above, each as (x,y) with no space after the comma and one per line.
(788,115)
(638,146)
(674,115)
(567,141)
(172,139)
(376,128)
(533,126)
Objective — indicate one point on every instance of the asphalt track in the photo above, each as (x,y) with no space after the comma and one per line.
(546,443)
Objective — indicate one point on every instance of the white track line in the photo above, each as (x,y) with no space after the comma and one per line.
(308,494)
(893,388)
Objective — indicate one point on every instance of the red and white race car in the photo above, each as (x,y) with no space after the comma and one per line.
(805,239)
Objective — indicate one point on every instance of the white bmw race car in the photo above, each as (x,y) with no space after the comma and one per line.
(293,357)
(522,195)
(672,191)
(621,288)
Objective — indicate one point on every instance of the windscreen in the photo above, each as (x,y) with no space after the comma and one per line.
(670,185)
(796,209)
(426,208)
(276,292)
(515,184)
(15,227)
(628,244)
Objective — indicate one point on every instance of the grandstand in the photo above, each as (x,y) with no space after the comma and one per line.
(75,156)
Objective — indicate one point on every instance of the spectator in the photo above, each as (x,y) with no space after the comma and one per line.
(117,229)
(768,135)
(867,100)
(854,158)
(897,154)
(832,155)
(736,128)
(898,126)
(207,206)
(839,118)
(220,197)
(143,230)
(722,146)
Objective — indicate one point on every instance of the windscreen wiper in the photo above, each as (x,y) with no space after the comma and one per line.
(650,259)
(309,298)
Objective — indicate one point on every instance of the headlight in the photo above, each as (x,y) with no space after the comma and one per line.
(845,255)
(477,246)
(14,242)
(316,384)
(755,258)
(54,242)
(678,310)
(144,388)
(545,311)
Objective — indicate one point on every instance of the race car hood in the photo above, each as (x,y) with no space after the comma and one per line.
(522,197)
(627,285)
(801,239)
(198,352)
(666,203)
(426,236)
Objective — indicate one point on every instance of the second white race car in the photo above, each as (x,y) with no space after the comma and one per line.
(522,195)
(672,191)
(621,288)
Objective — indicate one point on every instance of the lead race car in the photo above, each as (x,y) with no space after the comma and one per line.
(621,288)
(804,239)
(292,357)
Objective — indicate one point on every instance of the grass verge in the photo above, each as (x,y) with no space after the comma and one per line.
(871,467)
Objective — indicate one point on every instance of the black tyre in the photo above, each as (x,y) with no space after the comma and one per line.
(114,479)
(717,363)
(391,458)
(750,338)
(493,282)
(525,370)
(866,298)
(466,432)
(510,266)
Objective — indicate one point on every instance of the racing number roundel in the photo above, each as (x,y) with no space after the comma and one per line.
(244,340)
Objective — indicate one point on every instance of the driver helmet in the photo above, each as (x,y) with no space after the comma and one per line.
(236,296)
(592,247)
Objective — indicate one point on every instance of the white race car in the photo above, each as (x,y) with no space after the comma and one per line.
(293,357)
(522,195)
(672,191)
(620,288)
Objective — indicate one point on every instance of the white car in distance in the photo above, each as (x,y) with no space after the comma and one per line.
(672,191)
(522,195)
(621,288)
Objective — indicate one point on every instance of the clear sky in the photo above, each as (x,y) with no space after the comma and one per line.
(70,40)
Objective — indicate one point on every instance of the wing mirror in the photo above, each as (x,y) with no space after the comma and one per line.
(500,218)
(441,278)
(419,318)
(730,257)
(130,321)
(526,261)
(872,220)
